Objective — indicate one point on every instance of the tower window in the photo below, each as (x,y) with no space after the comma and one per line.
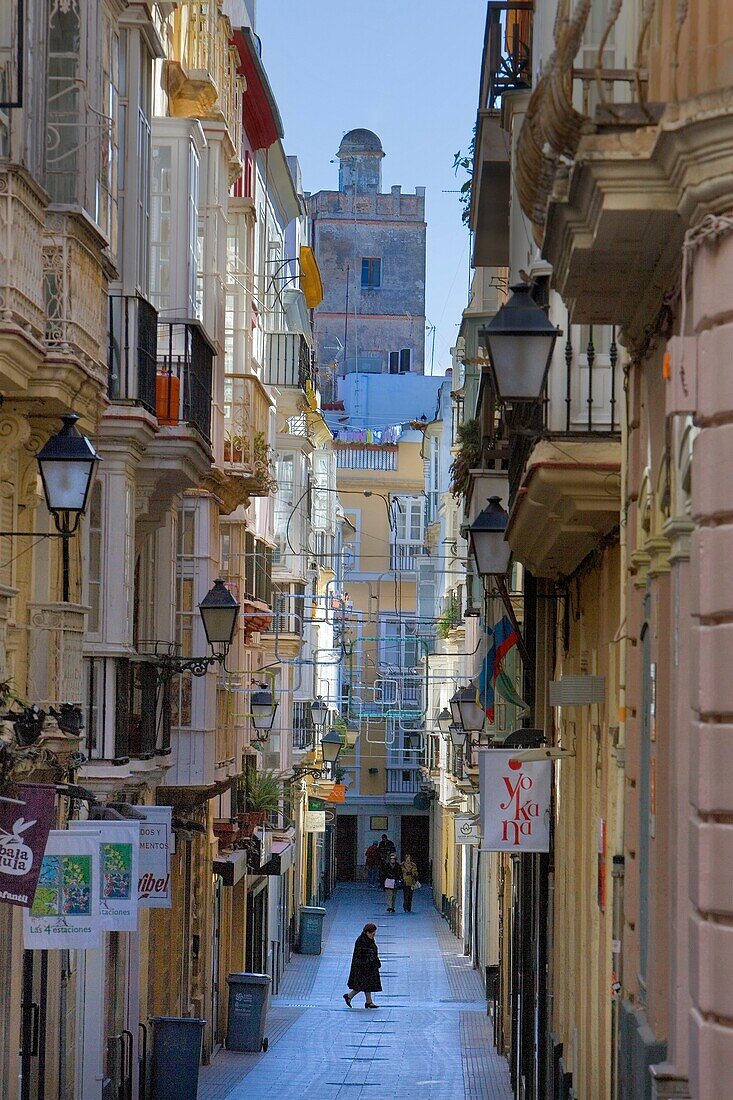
(371,273)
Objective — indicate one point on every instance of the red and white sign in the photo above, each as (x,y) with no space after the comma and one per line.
(515,802)
(26,817)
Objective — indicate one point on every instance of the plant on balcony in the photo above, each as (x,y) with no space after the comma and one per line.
(467,458)
(465,161)
(263,463)
(260,792)
(449,619)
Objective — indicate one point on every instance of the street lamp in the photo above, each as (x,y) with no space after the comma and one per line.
(444,721)
(319,711)
(520,340)
(219,611)
(488,544)
(457,736)
(67,463)
(263,707)
(331,745)
(471,713)
(454,710)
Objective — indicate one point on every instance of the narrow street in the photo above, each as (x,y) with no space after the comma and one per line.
(430,1038)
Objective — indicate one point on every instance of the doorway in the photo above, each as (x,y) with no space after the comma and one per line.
(415,839)
(256,945)
(346,847)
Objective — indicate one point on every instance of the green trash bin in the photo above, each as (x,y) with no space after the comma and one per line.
(176,1057)
(311,929)
(248,999)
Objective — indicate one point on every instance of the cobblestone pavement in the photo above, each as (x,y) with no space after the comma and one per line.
(430,1039)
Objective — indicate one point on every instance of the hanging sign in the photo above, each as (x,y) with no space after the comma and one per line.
(65,909)
(119,846)
(156,835)
(315,821)
(26,817)
(468,830)
(515,802)
(338,793)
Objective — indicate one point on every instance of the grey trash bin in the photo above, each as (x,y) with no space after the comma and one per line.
(248,998)
(176,1057)
(311,929)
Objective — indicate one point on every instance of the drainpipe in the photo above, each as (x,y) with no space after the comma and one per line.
(617,838)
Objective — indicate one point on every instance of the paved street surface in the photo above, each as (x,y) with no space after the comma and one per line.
(431,1037)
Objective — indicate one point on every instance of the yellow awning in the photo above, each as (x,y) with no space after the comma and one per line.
(310,277)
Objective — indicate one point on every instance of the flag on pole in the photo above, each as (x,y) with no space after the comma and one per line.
(503,637)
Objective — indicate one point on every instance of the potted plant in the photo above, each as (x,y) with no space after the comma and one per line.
(226,832)
(467,458)
(449,619)
(259,794)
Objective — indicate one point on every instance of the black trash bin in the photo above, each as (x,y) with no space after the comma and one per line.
(311,929)
(248,998)
(176,1057)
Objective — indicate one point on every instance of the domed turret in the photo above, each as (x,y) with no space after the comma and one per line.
(360,162)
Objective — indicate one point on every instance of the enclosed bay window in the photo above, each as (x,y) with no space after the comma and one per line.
(82,152)
(177,145)
(409,532)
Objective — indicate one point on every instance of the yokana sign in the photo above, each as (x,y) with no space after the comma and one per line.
(515,802)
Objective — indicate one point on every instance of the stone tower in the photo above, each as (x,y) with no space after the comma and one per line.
(360,163)
(370,247)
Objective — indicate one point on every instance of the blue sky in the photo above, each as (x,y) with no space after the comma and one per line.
(407,69)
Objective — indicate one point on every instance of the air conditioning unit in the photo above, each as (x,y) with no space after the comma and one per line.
(577,691)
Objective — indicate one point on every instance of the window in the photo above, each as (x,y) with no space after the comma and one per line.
(371,273)
(284,500)
(94,572)
(398,645)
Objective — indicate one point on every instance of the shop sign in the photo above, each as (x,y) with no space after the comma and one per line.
(515,802)
(156,834)
(338,793)
(26,817)
(65,912)
(468,830)
(315,821)
(119,847)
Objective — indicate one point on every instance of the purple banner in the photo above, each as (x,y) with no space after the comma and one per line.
(26,817)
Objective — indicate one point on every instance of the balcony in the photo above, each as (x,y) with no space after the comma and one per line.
(565,462)
(201,76)
(247,452)
(288,361)
(132,351)
(183,377)
(404,780)
(365,456)
(404,556)
(23,322)
(507,67)
(138,724)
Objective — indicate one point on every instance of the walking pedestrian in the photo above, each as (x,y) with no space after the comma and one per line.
(386,847)
(365,967)
(391,875)
(373,863)
(410,881)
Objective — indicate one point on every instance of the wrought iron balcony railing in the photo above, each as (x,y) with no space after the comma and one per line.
(132,350)
(404,780)
(184,376)
(363,456)
(288,360)
(509,49)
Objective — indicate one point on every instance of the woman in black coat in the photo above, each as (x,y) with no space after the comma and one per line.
(365,964)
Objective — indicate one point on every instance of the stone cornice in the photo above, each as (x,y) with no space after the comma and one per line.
(616,222)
